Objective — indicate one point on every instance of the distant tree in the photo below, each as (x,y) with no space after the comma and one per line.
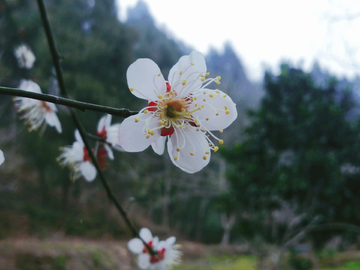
(300,153)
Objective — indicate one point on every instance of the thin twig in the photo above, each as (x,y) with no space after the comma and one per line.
(56,60)
(83,106)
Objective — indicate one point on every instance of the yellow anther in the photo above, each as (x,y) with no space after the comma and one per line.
(207,152)
(137,119)
(191,153)
(221,130)
(210,144)
(176,158)
(218,78)
(160,96)
(152,132)
(204,93)
(202,106)
(146,111)
(195,105)
(178,149)
(159,74)
(147,136)
(194,98)
(165,106)
(180,126)
(216,148)
(183,101)
(217,92)
(182,109)
(227,111)
(198,129)
(204,99)
(132,89)
(217,114)
(181,72)
(204,158)
(161,122)
(217,81)
(207,119)
(184,82)
(202,79)
(225,95)
(211,95)
(226,107)
(171,92)
(195,121)
(192,63)
(207,74)
(202,75)
(221,142)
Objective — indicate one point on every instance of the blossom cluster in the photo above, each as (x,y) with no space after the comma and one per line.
(163,254)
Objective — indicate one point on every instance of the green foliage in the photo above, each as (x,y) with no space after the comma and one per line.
(295,152)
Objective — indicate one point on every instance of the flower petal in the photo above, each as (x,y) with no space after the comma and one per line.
(144,260)
(78,151)
(133,133)
(88,171)
(171,240)
(29,85)
(136,246)
(188,68)
(53,121)
(2,158)
(194,149)
(159,145)
(146,234)
(78,137)
(104,122)
(145,80)
(218,110)
(109,151)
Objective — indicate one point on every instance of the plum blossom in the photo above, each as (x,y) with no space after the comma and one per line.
(77,159)
(109,134)
(166,252)
(2,158)
(37,113)
(24,56)
(182,110)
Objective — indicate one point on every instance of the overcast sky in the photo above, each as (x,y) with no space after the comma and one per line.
(264,32)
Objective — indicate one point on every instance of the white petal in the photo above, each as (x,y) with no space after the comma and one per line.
(171,240)
(189,68)
(30,86)
(78,151)
(132,135)
(219,110)
(136,246)
(146,234)
(53,121)
(88,171)
(188,140)
(78,137)
(144,260)
(159,145)
(2,158)
(144,79)
(104,122)
(109,151)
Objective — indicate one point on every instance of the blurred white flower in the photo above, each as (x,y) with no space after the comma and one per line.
(37,113)
(109,133)
(2,158)
(167,254)
(77,159)
(182,110)
(24,56)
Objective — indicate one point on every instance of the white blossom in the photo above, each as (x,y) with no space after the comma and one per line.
(181,110)
(24,56)
(76,157)
(37,113)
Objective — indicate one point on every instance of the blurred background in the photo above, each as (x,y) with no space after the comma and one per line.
(283,191)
